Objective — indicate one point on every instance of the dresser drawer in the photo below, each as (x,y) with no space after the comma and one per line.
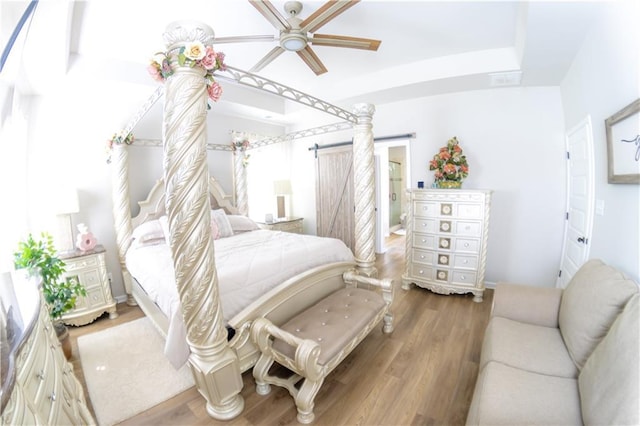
(467,245)
(468,228)
(424,209)
(424,241)
(424,225)
(94,297)
(469,211)
(465,262)
(463,278)
(423,257)
(422,272)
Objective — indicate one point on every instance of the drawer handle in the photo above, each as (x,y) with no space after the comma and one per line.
(462,277)
(421,272)
(40,375)
(424,241)
(466,244)
(422,256)
(465,261)
(424,225)
(52,397)
(95,297)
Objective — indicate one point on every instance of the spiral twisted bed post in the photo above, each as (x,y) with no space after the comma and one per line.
(122,211)
(240,182)
(364,190)
(214,364)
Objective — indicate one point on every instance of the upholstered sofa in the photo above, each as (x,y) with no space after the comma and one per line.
(562,357)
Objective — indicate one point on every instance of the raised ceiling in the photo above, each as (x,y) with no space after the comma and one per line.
(428,47)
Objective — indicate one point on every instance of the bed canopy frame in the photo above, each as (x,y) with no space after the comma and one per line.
(214,364)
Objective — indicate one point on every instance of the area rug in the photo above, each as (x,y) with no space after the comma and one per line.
(126,371)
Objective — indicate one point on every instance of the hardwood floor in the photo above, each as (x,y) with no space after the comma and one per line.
(423,373)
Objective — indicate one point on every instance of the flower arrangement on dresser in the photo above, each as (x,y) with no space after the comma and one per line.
(450,165)
(194,54)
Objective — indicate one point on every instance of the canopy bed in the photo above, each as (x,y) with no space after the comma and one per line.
(186,195)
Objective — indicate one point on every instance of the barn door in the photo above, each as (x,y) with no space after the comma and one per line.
(334,194)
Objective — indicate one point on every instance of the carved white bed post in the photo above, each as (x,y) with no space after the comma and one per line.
(364,191)
(214,365)
(240,182)
(122,210)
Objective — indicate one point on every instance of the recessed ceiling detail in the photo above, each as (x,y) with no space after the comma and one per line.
(295,33)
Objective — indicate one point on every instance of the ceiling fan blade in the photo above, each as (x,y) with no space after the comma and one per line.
(268,58)
(243,39)
(312,60)
(266,8)
(325,13)
(344,41)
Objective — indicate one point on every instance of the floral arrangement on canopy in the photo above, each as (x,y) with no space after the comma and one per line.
(241,145)
(450,165)
(118,139)
(193,54)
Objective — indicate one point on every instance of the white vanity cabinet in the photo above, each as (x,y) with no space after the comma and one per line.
(446,240)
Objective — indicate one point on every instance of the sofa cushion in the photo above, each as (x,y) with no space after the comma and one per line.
(591,302)
(609,383)
(509,396)
(528,347)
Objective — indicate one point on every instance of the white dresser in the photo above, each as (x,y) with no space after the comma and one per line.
(446,242)
(90,269)
(38,384)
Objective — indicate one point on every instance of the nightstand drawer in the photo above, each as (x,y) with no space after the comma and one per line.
(85,262)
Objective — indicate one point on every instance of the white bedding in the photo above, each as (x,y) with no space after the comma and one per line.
(248,265)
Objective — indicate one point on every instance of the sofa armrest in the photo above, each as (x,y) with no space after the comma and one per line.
(528,304)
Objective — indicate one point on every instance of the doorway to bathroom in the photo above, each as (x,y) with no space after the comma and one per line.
(395,196)
(392,176)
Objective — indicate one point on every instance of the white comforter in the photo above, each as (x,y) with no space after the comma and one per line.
(248,265)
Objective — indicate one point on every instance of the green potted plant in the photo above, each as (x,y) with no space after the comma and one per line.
(38,256)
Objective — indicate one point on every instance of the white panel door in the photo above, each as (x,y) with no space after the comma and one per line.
(580,190)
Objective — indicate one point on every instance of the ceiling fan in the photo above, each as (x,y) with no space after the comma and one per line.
(295,32)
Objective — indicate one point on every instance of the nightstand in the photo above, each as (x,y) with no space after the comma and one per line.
(90,269)
(287,224)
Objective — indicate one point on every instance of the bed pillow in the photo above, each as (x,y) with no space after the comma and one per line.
(241,223)
(215,231)
(224,227)
(148,233)
(164,224)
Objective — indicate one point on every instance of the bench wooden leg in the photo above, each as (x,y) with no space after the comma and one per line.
(387,326)
(260,373)
(304,399)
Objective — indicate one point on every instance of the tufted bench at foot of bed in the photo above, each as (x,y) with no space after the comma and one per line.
(315,341)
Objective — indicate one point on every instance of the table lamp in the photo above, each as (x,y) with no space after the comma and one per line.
(66,205)
(281,188)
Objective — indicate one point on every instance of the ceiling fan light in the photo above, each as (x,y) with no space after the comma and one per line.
(293,42)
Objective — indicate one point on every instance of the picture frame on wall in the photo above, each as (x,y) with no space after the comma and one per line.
(623,144)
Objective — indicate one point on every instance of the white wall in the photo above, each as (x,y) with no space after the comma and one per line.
(513,139)
(67,146)
(603,79)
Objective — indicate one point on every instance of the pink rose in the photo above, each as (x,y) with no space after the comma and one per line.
(220,59)
(215,91)
(208,61)
(155,72)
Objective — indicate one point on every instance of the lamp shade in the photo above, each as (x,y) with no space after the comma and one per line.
(67,201)
(282,187)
